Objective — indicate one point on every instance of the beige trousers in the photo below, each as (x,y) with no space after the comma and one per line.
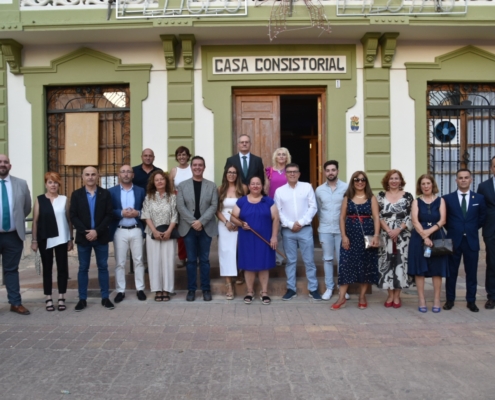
(161,265)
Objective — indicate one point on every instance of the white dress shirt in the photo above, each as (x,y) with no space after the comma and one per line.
(8,185)
(296,204)
(459,195)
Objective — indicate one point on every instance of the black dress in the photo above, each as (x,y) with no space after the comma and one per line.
(428,215)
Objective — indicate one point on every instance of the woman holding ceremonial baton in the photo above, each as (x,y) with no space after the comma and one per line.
(258,213)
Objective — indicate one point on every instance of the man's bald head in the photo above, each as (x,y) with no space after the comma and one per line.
(4,166)
(90,177)
(147,156)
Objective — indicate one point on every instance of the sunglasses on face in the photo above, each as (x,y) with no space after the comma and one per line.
(359,179)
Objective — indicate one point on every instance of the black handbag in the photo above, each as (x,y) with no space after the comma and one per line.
(442,247)
(162,228)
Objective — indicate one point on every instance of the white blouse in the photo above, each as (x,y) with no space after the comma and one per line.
(62,225)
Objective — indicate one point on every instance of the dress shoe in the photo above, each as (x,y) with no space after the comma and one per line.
(140,295)
(472,306)
(81,305)
(191,295)
(449,304)
(206,295)
(107,304)
(120,296)
(490,304)
(20,309)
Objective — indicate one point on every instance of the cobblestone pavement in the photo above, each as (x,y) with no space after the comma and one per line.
(228,350)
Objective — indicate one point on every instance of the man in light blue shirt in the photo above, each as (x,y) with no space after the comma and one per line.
(329,198)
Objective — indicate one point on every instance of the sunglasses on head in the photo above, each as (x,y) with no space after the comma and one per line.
(359,179)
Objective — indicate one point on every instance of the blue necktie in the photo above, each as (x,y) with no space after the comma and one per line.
(5,208)
(244,166)
(463,205)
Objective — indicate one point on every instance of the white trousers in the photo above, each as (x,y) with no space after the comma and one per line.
(161,254)
(123,240)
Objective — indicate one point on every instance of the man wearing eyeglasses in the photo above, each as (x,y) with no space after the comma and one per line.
(296,203)
(126,231)
(249,164)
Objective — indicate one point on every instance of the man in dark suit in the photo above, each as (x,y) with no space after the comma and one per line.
(126,231)
(466,212)
(248,163)
(487,189)
(15,205)
(197,200)
(91,214)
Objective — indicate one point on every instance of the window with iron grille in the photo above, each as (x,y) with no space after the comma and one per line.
(461,131)
(112,105)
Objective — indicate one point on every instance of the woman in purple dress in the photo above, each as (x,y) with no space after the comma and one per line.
(259,213)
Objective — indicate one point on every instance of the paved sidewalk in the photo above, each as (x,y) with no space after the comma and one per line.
(228,350)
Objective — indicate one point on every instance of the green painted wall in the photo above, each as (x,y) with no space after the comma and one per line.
(217,93)
(467,64)
(4,148)
(377,124)
(83,66)
(180,111)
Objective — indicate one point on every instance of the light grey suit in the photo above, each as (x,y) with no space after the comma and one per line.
(11,243)
(186,206)
(21,198)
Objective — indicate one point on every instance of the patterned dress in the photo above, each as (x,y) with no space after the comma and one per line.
(392,260)
(358,264)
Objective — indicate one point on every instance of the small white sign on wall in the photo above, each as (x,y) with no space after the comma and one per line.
(354,123)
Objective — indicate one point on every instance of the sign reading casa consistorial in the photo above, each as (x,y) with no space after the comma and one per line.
(284,65)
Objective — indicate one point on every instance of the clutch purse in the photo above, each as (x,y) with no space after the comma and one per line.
(163,228)
(369,238)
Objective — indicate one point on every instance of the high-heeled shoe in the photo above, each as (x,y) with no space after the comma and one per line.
(336,306)
(362,306)
(436,310)
(422,309)
(230,291)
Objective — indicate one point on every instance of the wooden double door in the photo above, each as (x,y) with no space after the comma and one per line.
(269,117)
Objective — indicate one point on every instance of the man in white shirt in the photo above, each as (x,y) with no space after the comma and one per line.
(296,203)
(329,197)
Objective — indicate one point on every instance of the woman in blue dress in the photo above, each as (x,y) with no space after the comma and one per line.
(259,212)
(359,216)
(428,216)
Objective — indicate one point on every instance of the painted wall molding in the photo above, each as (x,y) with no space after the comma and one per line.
(188,42)
(169,43)
(370,48)
(12,52)
(388,44)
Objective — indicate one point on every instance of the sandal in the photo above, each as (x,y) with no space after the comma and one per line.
(49,308)
(265,300)
(230,292)
(158,296)
(61,307)
(240,278)
(166,297)
(248,299)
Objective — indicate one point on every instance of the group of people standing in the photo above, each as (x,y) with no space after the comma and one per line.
(262,213)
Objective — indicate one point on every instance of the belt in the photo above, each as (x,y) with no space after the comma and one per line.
(128,227)
(360,217)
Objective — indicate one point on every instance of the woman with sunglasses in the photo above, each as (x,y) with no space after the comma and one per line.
(428,216)
(359,216)
(229,192)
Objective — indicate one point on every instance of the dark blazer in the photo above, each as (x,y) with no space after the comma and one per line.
(139,195)
(458,226)
(255,167)
(81,216)
(486,189)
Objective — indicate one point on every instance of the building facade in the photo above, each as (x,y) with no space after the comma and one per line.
(408,85)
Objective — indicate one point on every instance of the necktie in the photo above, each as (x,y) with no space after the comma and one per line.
(244,166)
(5,208)
(463,204)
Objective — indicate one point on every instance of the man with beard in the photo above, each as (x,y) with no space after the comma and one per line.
(15,205)
(329,198)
